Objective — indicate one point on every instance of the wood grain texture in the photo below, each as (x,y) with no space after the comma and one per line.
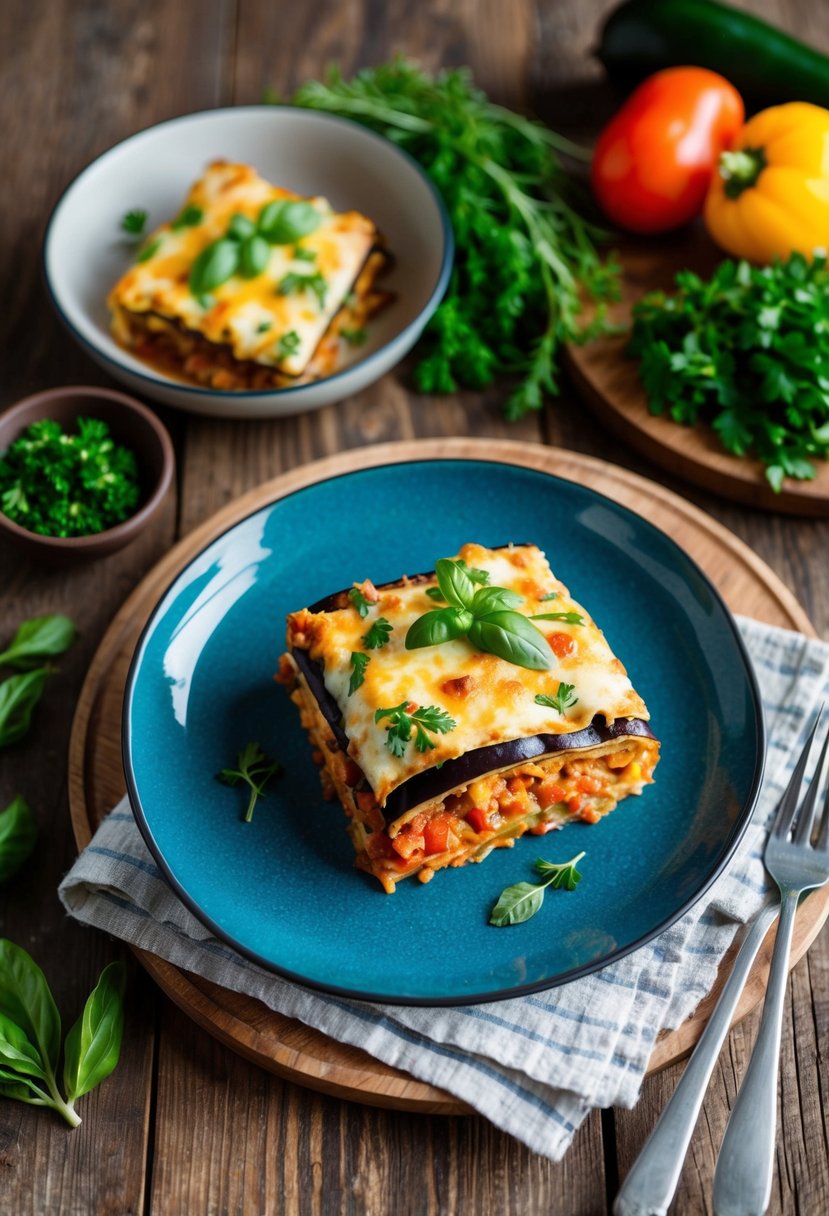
(220,1135)
(610,383)
(96,781)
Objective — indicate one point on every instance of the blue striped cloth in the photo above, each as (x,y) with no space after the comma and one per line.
(535,1065)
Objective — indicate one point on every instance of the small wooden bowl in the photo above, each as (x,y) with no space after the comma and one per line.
(131,424)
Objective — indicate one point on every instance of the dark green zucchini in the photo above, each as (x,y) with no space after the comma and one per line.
(766,66)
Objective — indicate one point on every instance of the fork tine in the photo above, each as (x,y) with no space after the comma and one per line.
(788,803)
(823,836)
(806,813)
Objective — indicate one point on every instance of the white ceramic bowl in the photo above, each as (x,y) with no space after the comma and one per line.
(84,251)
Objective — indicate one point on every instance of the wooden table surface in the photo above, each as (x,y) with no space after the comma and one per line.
(183,1125)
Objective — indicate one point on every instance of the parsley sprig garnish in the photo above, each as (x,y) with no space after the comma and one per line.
(561,700)
(288,344)
(294,282)
(485,615)
(405,718)
(526,261)
(134,222)
(253,768)
(359,663)
(359,601)
(747,351)
(379,633)
(522,900)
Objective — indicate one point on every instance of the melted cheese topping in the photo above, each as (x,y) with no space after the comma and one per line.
(249,315)
(490,699)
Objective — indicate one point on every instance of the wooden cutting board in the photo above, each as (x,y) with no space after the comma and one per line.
(96,779)
(609,382)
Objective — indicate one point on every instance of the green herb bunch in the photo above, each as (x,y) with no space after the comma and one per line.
(30,1035)
(747,351)
(36,641)
(526,259)
(63,484)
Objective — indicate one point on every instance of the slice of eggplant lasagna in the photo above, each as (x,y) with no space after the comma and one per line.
(465,739)
(250,287)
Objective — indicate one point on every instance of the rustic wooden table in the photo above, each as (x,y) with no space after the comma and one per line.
(185,1126)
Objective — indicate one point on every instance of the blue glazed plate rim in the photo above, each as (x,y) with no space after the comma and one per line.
(729,844)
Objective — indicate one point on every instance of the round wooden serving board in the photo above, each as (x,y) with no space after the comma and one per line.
(609,382)
(96,780)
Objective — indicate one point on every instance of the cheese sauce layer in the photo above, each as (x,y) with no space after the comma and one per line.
(252,315)
(489,699)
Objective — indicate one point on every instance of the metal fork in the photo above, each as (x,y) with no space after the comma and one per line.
(651,1182)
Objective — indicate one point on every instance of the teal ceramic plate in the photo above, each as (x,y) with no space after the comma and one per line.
(282,889)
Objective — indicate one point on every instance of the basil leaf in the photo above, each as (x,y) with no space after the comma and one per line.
(149,251)
(513,638)
(18,697)
(214,266)
(188,218)
(93,1045)
(17,1053)
(441,625)
(455,583)
(240,227)
(17,837)
(571,618)
(22,1089)
(282,223)
(39,638)
(25,998)
(254,255)
(492,599)
(517,903)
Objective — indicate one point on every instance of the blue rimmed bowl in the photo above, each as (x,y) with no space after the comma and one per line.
(84,252)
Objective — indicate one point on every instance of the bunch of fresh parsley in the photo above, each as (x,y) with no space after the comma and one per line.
(526,259)
(748,351)
(61,483)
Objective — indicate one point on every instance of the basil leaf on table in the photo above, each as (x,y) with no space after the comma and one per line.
(513,638)
(17,837)
(18,697)
(93,1045)
(26,999)
(37,639)
(441,625)
(17,1053)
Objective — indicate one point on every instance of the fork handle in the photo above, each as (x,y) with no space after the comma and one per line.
(651,1182)
(745,1167)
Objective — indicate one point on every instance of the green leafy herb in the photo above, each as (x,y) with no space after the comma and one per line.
(133,222)
(359,601)
(293,282)
(747,351)
(240,227)
(214,266)
(551,595)
(563,698)
(485,615)
(288,344)
(253,768)
(378,634)
(481,577)
(42,637)
(30,1034)
(264,326)
(17,837)
(526,261)
(434,593)
(62,483)
(149,250)
(404,718)
(519,902)
(18,697)
(282,223)
(188,218)
(571,618)
(359,663)
(206,301)
(305,255)
(254,255)
(354,337)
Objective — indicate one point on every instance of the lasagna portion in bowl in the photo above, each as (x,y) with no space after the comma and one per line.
(250,287)
(452,712)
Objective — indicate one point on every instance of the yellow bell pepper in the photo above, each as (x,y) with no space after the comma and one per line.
(770,196)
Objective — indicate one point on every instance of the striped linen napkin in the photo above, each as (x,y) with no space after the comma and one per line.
(534,1065)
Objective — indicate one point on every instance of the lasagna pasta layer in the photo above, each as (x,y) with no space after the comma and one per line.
(508,765)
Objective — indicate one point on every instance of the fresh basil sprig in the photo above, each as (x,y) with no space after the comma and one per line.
(17,837)
(522,900)
(30,1034)
(282,223)
(42,637)
(485,615)
(18,697)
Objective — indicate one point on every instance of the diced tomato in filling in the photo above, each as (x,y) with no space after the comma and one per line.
(436,834)
(549,792)
(574,804)
(477,819)
(561,643)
